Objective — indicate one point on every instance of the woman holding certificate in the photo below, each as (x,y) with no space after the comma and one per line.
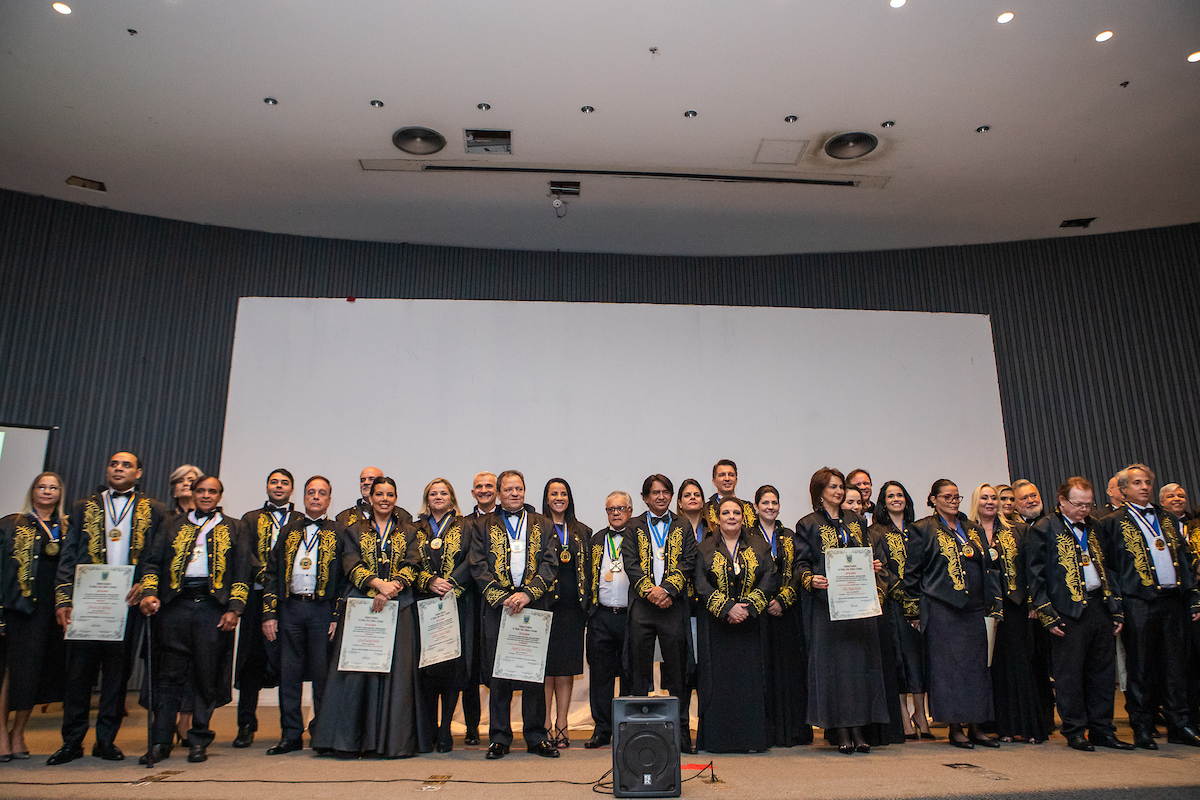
(1014,682)
(845,675)
(564,654)
(787,662)
(947,569)
(36,656)
(445,573)
(375,712)
(734,575)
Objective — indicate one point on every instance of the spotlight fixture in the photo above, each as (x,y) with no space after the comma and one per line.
(61,8)
(418,141)
(1194,57)
(131,31)
(1104,37)
(891,123)
(484,106)
(271,101)
(790,118)
(587,109)
(377,104)
(689,114)
(983,129)
(1007,16)
(846,146)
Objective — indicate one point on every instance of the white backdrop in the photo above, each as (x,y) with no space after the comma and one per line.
(603,395)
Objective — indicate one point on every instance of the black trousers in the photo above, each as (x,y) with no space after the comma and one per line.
(605,649)
(303,642)
(471,705)
(533,695)
(1155,659)
(187,634)
(1085,671)
(258,661)
(670,626)
(1193,632)
(112,662)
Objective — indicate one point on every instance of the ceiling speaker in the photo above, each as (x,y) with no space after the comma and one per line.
(418,141)
(850,145)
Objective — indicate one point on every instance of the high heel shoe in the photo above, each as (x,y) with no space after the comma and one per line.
(560,738)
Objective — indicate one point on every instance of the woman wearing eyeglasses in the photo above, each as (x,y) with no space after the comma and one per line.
(1014,684)
(845,671)
(947,571)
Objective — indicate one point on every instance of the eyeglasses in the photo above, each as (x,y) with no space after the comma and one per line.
(951,498)
(618,509)
(1080,506)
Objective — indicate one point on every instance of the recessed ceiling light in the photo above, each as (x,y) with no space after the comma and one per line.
(790,118)
(1194,57)
(850,145)
(271,101)
(377,104)
(587,109)
(689,114)
(484,106)
(897,3)
(61,8)
(983,129)
(1007,16)
(1104,37)
(891,123)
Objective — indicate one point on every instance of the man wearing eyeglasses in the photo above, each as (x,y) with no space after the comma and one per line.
(659,554)
(1073,593)
(608,609)
(1148,556)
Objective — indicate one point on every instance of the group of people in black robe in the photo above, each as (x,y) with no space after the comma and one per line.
(990,618)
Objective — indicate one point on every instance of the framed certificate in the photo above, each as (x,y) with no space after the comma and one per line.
(521,646)
(368,639)
(437,618)
(851,574)
(98,608)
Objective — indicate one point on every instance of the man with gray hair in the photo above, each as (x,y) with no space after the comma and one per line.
(608,611)
(1149,559)
(1029,500)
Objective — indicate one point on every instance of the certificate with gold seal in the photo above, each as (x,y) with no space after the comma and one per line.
(851,574)
(98,607)
(368,639)
(521,645)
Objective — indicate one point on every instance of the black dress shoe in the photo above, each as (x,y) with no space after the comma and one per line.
(1110,740)
(1080,742)
(444,747)
(159,752)
(198,753)
(286,746)
(862,748)
(912,737)
(967,745)
(544,749)
(245,737)
(1144,740)
(497,750)
(108,751)
(597,740)
(928,735)
(65,754)
(472,736)
(986,741)
(685,744)
(1182,735)
(847,749)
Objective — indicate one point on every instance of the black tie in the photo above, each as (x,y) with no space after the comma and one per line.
(123,494)
(659,520)
(1148,511)
(277,509)
(513,514)
(203,515)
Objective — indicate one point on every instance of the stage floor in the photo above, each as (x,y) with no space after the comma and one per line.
(915,770)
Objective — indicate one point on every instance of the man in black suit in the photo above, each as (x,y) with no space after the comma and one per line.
(114,526)
(514,560)
(1149,558)
(1074,598)
(483,489)
(608,612)
(861,479)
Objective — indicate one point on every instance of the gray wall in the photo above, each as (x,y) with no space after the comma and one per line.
(119,328)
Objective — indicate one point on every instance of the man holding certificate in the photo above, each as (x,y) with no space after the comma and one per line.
(514,558)
(113,527)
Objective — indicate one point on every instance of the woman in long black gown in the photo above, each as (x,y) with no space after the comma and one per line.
(734,576)
(1014,685)
(375,712)
(889,536)
(564,653)
(787,664)
(34,667)
(947,569)
(845,672)
(445,572)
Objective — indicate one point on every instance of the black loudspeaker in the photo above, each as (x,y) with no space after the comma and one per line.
(646,747)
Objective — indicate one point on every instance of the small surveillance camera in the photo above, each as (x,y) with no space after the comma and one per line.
(556,202)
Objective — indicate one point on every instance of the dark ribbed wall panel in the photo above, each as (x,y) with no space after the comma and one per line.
(119,328)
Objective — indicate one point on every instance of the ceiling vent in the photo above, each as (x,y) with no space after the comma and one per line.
(84,183)
(484,141)
(564,188)
(418,141)
(780,151)
(1082,222)
(846,146)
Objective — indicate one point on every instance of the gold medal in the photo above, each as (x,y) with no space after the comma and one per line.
(737,568)
(1085,560)
(1160,544)
(306,563)
(608,576)
(617,566)
(115,534)
(968,551)
(565,556)
(436,544)
(661,555)
(992,554)
(52,548)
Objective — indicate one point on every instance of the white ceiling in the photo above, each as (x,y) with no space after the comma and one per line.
(172,119)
